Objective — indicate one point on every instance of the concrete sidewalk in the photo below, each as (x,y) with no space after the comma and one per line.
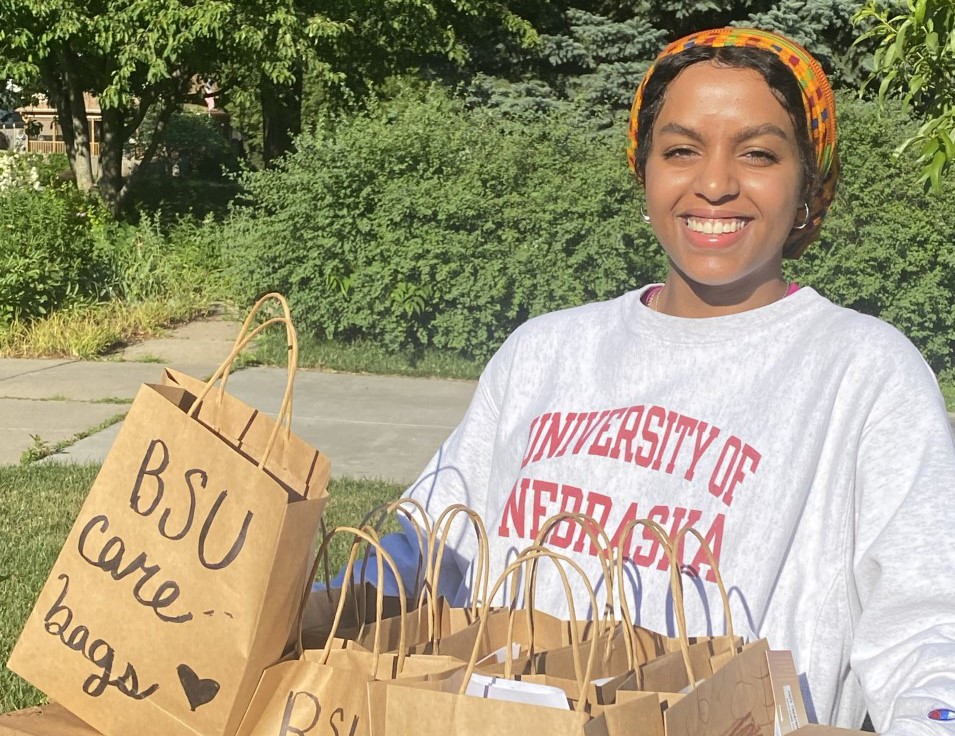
(369,426)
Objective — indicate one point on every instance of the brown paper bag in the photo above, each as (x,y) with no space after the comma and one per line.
(432,617)
(733,692)
(180,581)
(736,699)
(536,631)
(620,652)
(46,720)
(359,613)
(709,686)
(439,705)
(324,692)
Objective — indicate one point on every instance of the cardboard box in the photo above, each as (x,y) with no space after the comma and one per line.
(787,692)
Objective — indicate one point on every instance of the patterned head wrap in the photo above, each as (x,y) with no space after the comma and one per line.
(818,102)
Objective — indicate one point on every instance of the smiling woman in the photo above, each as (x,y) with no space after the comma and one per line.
(724,190)
(733,135)
(807,443)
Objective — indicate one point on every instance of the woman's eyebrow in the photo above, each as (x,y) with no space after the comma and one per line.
(753,131)
(678,129)
(757,130)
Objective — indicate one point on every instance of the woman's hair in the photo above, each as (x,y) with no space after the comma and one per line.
(779,78)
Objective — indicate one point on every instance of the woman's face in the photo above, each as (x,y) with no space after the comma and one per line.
(723,186)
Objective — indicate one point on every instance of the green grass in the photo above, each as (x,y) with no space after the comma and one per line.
(41,448)
(363,358)
(92,330)
(38,505)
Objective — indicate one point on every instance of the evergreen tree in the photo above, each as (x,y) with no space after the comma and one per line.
(592,53)
(825,28)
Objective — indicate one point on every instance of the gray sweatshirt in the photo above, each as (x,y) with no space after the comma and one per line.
(807,442)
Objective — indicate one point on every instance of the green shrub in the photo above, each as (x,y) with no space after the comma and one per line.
(153,260)
(190,173)
(419,223)
(887,248)
(32,170)
(200,145)
(47,254)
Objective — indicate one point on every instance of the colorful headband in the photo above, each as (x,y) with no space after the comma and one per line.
(818,102)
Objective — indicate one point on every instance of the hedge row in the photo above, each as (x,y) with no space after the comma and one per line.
(421,223)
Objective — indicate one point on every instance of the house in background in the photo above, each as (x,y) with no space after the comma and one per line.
(49,138)
(13,131)
(38,128)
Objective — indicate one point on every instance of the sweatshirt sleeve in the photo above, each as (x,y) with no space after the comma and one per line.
(903,646)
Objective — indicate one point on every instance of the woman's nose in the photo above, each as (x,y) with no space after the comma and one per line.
(716,179)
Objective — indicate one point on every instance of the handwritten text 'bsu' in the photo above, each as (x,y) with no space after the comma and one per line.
(292,725)
(111,557)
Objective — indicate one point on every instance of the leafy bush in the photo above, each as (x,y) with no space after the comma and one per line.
(419,223)
(199,144)
(887,248)
(152,260)
(156,194)
(191,172)
(47,254)
(32,170)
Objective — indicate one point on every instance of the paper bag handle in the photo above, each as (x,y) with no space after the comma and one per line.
(600,540)
(675,587)
(368,535)
(243,331)
(442,528)
(532,553)
(250,317)
(376,520)
(285,409)
(704,545)
(382,512)
(530,607)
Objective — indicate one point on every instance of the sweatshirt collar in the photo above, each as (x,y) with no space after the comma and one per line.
(687,330)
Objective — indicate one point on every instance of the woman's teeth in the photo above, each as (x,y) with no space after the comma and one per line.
(715,227)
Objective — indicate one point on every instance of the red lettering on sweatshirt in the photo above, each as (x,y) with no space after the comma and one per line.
(514,510)
(551,440)
(593,501)
(571,499)
(542,488)
(641,547)
(627,433)
(651,437)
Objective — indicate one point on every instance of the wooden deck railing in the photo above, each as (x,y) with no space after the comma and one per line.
(55,147)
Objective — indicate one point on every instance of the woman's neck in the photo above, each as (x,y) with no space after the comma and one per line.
(680,298)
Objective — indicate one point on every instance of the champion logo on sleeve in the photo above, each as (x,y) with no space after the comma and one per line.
(942,714)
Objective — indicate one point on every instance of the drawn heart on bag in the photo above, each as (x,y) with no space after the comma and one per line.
(198,690)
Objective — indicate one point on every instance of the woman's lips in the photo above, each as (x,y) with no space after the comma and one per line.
(714,232)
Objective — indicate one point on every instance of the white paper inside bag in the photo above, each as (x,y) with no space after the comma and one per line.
(497,656)
(495,688)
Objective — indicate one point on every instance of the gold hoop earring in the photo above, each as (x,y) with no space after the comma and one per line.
(643,214)
(805,220)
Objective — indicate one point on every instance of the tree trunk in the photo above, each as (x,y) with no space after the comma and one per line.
(111,160)
(281,116)
(70,107)
(123,186)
